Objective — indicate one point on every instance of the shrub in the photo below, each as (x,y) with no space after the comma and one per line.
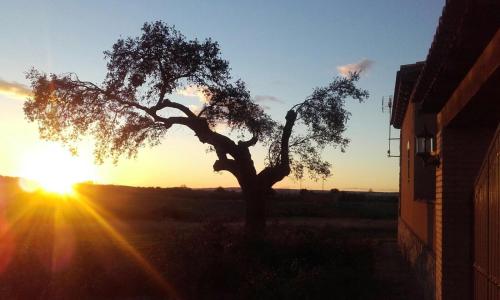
(220,190)
(291,263)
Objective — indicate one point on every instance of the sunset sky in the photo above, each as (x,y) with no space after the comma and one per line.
(282,50)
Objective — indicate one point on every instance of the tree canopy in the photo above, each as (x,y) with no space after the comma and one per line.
(134,107)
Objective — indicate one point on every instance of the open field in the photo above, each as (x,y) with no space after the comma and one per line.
(146,243)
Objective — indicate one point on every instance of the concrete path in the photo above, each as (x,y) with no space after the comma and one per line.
(395,278)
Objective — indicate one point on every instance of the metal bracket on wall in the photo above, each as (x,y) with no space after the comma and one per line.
(387,108)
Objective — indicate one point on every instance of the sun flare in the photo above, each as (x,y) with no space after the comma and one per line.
(53,169)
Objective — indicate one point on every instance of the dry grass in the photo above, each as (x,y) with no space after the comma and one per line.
(193,239)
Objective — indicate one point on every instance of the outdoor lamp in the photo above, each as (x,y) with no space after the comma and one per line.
(424,148)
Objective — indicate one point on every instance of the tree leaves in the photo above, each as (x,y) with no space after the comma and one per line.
(322,122)
(232,105)
(126,112)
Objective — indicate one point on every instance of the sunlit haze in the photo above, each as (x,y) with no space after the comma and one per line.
(282,50)
(54,169)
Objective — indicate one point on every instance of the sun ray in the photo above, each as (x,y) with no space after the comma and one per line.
(126,246)
(38,213)
(53,169)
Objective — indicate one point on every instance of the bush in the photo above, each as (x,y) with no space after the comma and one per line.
(352,197)
(219,190)
(291,263)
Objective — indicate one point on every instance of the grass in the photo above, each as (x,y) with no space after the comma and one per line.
(200,205)
(291,263)
(194,239)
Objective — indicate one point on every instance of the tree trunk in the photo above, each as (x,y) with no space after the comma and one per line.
(255,221)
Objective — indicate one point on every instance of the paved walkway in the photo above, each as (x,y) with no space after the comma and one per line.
(395,278)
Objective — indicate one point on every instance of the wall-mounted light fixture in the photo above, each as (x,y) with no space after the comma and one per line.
(424,148)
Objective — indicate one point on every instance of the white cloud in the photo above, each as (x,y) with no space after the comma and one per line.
(194,91)
(360,67)
(266,98)
(14,89)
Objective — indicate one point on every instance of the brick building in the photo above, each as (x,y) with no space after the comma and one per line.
(448,110)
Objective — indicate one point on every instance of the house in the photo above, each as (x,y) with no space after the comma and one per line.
(448,111)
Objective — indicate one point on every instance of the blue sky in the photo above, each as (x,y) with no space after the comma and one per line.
(279,48)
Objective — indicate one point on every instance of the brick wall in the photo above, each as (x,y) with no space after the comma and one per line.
(419,255)
(438,219)
(419,215)
(462,151)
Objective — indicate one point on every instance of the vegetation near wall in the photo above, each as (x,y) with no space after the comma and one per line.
(193,238)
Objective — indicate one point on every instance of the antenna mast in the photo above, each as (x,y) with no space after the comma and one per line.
(387,108)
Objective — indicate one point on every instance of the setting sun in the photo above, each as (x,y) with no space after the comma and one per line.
(54,169)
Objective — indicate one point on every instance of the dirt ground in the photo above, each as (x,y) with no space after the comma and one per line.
(396,279)
(103,243)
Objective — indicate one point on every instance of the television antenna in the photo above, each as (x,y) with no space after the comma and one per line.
(387,102)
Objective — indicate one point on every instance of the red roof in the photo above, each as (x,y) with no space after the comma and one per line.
(405,81)
(464,30)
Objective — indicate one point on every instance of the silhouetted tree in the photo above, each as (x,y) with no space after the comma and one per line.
(127,111)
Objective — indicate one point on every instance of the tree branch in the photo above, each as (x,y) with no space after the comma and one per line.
(299,105)
(202,110)
(167,103)
(305,139)
(272,174)
(150,110)
(197,124)
(291,116)
(229,165)
(249,143)
(163,89)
